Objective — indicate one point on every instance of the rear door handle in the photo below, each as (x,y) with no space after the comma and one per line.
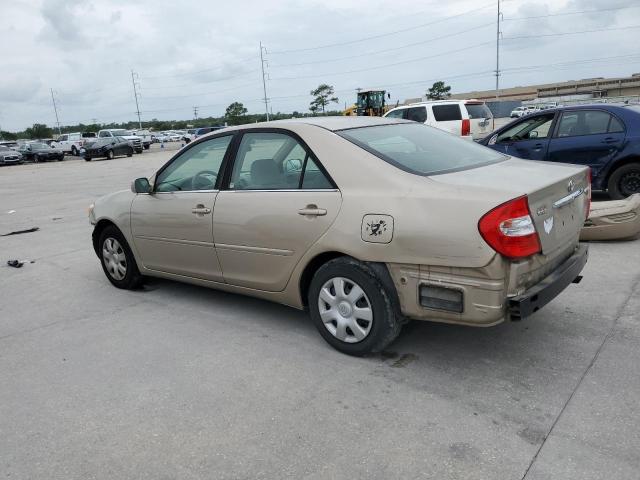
(609,140)
(537,147)
(312,211)
(201,210)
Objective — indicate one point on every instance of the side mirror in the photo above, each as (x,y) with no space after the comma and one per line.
(533,134)
(492,140)
(141,185)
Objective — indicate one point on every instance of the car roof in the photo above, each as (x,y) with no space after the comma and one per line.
(329,123)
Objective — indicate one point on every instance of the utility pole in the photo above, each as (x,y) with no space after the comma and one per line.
(195,113)
(55,109)
(498,52)
(264,81)
(135,94)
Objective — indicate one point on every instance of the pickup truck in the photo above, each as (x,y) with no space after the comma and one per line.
(73,142)
(145,136)
(136,142)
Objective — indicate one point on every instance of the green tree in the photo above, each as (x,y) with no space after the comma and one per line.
(439,91)
(235,114)
(38,130)
(323,96)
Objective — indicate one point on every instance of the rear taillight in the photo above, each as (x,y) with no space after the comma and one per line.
(466,127)
(509,229)
(588,194)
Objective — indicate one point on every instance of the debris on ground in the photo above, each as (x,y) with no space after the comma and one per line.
(613,220)
(18,232)
(11,211)
(15,263)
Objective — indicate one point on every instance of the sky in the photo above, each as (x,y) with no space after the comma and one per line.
(190,53)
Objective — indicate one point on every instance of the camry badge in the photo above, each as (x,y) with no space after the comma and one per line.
(548,225)
(570,186)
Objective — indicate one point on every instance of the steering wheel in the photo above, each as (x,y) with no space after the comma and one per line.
(201,180)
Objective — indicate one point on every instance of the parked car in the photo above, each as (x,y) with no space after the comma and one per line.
(135,141)
(9,156)
(145,137)
(12,144)
(363,221)
(194,133)
(73,142)
(470,119)
(605,137)
(108,147)
(40,152)
(518,112)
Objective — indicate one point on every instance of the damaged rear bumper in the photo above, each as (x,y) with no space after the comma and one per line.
(550,287)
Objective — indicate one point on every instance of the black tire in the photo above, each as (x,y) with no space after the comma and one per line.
(624,181)
(139,151)
(130,153)
(87,159)
(132,279)
(385,326)
(146,147)
(110,155)
(74,151)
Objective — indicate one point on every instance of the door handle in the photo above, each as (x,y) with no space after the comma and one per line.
(200,210)
(312,211)
(609,140)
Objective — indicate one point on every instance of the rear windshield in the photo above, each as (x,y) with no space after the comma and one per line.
(478,110)
(420,149)
(446,113)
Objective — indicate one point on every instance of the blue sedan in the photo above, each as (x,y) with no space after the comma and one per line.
(605,137)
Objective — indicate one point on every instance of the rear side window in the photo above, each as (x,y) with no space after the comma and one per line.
(478,110)
(420,149)
(588,122)
(447,113)
(417,114)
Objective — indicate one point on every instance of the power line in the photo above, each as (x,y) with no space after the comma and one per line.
(559,34)
(562,14)
(422,42)
(381,35)
(264,80)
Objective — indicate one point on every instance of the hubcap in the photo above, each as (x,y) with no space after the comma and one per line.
(630,183)
(345,310)
(114,258)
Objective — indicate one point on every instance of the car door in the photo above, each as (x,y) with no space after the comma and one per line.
(587,137)
(527,138)
(172,226)
(278,202)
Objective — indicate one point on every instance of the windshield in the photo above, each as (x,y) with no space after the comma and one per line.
(39,146)
(420,149)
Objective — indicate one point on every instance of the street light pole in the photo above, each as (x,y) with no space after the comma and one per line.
(264,81)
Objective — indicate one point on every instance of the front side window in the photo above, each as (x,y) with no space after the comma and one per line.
(274,161)
(196,169)
(417,114)
(396,113)
(446,113)
(532,127)
(587,122)
(419,149)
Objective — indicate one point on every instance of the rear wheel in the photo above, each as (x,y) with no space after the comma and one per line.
(118,262)
(351,308)
(130,152)
(74,151)
(147,146)
(87,159)
(624,181)
(110,155)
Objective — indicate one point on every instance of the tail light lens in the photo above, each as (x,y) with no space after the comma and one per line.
(466,127)
(509,229)
(588,194)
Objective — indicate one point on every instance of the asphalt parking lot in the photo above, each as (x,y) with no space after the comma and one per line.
(181,382)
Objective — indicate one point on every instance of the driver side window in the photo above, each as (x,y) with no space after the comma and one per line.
(529,129)
(196,169)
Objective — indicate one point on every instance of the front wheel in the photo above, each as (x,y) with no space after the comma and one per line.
(74,151)
(130,152)
(351,308)
(118,262)
(146,147)
(110,155)
(624,181)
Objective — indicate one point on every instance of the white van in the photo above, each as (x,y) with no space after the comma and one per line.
(470,119)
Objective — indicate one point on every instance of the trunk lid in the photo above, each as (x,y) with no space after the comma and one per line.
(557,194)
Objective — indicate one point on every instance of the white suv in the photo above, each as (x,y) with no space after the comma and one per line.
(469,119)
